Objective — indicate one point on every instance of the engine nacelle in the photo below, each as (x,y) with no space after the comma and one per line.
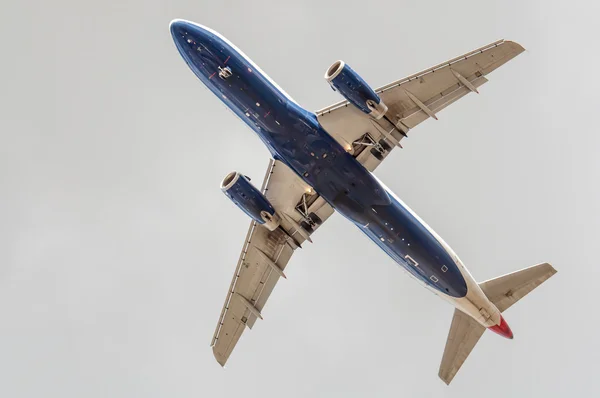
(252,202)
(344,79)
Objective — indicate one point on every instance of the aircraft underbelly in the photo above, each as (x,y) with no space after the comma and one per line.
(294,136)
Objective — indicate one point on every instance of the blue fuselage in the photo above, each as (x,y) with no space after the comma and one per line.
(294,136)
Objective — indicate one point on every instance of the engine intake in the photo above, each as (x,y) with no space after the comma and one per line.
(351,86)
(252,202)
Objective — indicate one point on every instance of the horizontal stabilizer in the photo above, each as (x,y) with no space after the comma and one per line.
(464,334)
(506,290)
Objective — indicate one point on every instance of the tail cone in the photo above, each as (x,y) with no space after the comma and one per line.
(502,329)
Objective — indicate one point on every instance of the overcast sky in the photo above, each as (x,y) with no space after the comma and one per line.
(117,246)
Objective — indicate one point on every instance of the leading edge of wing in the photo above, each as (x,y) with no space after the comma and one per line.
(517,48)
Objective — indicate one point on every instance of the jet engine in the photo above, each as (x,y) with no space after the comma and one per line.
(351,86)
(252,202)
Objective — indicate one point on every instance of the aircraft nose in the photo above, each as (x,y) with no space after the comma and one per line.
(502,329)
(178,28)
(187,36)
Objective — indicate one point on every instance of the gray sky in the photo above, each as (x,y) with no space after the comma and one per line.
(117,246)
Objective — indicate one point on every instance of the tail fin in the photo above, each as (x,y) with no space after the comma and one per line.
(503,291)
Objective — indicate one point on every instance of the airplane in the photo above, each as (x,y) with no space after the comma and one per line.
(322,162)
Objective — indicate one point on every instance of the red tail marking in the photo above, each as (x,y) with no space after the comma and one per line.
(502,329)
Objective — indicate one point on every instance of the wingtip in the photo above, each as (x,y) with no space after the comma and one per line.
(516,46)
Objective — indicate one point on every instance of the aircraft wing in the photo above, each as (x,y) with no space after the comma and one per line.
(265,255)
(414,99)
